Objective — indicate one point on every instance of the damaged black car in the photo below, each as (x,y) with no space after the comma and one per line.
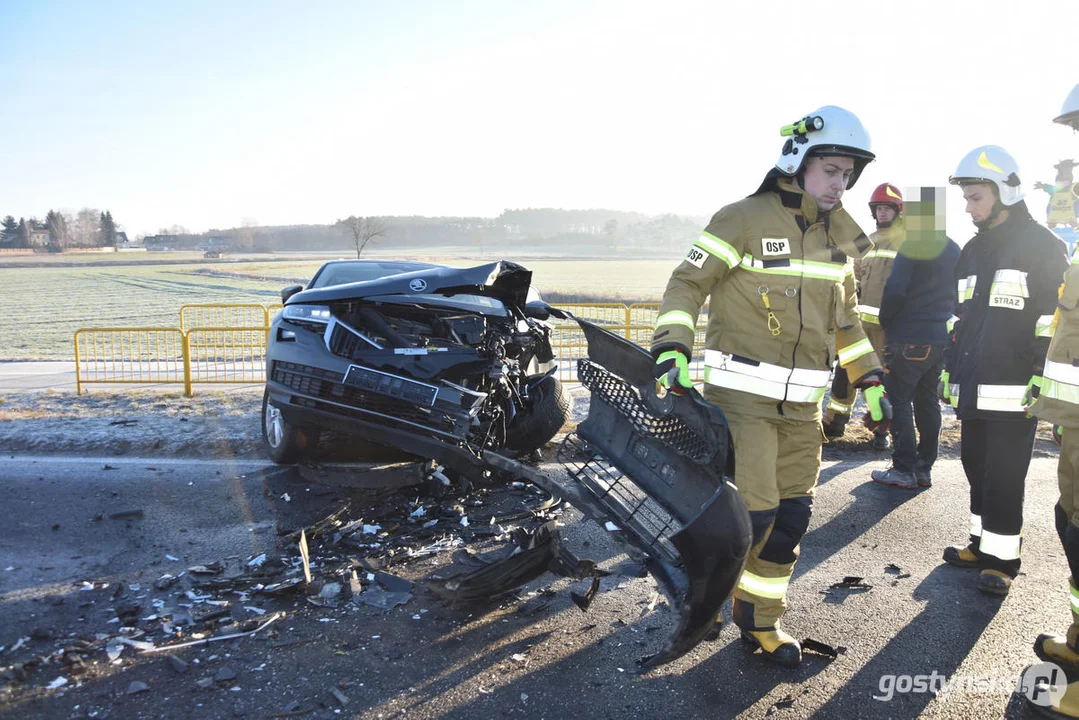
(412,356)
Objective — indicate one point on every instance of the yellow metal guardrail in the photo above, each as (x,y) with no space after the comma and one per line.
(227,355)
(131,356)
(223,353)
(224,315)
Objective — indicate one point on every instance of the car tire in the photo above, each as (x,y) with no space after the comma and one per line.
(535,428)
(285,444)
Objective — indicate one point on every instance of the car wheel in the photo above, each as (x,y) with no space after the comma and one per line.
(285,443)
(547,414)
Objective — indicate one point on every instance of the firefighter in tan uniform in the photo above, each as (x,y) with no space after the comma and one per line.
(1057,400)
(778,267)
(871,273)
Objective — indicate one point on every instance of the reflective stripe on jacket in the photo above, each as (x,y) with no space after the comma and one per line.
(782,302)
(872,270)
(1058,400)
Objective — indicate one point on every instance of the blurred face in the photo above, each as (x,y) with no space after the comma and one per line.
(825,179)
(981,201)
(884,214)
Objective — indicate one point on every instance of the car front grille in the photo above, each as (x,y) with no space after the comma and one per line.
(345,342)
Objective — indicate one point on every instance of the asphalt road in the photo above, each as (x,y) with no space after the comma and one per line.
(457,664)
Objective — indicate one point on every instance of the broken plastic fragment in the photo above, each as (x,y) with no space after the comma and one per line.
(286,497)
(418,512)
(170,557)
(611,527)
(58,682)
(257,561)
(371,529)
(820,648)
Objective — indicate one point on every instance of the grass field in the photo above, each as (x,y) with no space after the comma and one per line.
(46,305)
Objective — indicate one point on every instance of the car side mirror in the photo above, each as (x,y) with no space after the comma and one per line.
(289,292)
(539,310)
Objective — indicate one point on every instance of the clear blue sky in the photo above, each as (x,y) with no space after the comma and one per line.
(209,114)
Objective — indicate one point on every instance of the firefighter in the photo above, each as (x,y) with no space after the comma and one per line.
(778,268)
(871,273)
(1008,276)
(1057,400)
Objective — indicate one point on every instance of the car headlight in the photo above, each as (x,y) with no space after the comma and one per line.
(307,313)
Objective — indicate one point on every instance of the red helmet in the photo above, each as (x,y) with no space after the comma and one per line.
(886,194)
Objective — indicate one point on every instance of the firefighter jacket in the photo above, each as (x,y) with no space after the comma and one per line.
(1058,401)
(872,270)
(783,305)
(1007,278)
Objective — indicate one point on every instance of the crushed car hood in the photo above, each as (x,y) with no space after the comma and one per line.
(504,280)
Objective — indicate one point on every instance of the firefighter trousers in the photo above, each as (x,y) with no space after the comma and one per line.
(777,461)
(996,455)
(1067,515)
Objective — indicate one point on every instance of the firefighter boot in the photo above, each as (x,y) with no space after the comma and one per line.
(835,427)
(776,646)
(881,442)
(994,582)
(964,557)
(1061,650)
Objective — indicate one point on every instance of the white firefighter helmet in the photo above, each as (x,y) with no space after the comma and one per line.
(1069,114)
(829,130)
(990,164)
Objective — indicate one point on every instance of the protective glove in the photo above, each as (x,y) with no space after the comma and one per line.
(943,388)
(880,408)
(672,371)
(1034,387)
(1058,434)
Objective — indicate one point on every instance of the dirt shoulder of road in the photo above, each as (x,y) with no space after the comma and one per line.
(227,424)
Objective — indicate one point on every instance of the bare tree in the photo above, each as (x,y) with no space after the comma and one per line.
(86,230)
(362,230)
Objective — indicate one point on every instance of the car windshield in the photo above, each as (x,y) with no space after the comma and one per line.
(345,272)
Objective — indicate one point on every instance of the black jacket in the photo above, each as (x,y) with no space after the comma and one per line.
(919,296)
(1008,278)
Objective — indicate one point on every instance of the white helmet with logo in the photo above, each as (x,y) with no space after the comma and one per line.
(1069,114)
(990,164)
(829,130)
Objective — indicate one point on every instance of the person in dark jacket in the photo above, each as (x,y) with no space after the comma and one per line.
(916,309)
(1008,277)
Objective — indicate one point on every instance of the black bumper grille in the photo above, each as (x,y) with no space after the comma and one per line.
(671,431)
(326,385)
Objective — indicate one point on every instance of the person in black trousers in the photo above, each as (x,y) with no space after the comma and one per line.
(1008,277)
(915,313)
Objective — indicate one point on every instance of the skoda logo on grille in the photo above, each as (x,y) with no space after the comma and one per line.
(418,285)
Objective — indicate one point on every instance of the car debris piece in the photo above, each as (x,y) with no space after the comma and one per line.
(202,641)
(653,464)
(383,600)
(851,582)
(392,583)
(534,553)
(820,648)
(367,476)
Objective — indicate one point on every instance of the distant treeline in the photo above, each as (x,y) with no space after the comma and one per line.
(574,232)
